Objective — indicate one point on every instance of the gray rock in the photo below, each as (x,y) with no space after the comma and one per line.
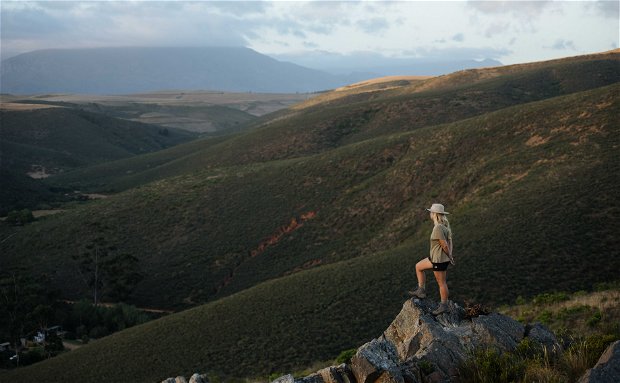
(198,378)
(375,361)
(337,374)
(168,380)
(180,379)
(313,378)
(498,330)
(607,369)
(540,334)
(285,379)
(416,335)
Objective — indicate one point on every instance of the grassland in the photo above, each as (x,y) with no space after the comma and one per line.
(368,197)
(301,235)
(329,121)
(45,141)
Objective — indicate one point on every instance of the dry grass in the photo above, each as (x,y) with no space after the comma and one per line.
(14,106)
(380,80)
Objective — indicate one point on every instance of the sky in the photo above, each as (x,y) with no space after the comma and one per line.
(320,31)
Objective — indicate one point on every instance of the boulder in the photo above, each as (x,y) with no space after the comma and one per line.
(178,379)
(416,339)
(198,378)
(337,374)
(285,379)
(540,334)
(607,369)
(497,330)
(375,361)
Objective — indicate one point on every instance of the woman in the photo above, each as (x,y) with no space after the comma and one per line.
(439,259)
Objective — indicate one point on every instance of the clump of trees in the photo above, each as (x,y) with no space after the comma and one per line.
(28,304)
(19,217)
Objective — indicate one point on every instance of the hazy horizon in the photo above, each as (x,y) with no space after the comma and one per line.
(323,35)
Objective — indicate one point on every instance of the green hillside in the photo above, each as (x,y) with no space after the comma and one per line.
(301,235)
(193,117)
(55,140)
(368,197)
(364,113)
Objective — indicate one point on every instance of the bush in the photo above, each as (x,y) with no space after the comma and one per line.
(489,366)
(345,356)
(30,357)
(426,367)
(595,318)
(19,217)
(98,332)
(549,298)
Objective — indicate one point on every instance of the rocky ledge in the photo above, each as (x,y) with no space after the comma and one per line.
(418,347)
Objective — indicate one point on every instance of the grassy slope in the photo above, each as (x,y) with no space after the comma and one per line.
(501,174)
(369,198)
(189,117)
(314,128)
(71,138)
(60,139)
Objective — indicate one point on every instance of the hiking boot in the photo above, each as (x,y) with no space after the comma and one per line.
(442,308)
(418,293)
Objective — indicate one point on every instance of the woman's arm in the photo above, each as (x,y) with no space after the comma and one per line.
(446,247)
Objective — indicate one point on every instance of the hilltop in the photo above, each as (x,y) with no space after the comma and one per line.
(308,226)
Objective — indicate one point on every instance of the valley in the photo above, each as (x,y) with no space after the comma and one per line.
(294,235)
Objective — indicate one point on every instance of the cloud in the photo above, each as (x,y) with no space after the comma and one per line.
(608,8)
(496,29)
(27,23)
(459,53)
(561,44)
(95,24)
(524,9)
(459,37)
(374,25)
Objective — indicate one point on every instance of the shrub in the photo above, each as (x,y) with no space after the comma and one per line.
(19,217)
(520,300)
(489,366)
(426,367)
(549,298)
(345,356)
(545,317)
(595,318)
(473,310)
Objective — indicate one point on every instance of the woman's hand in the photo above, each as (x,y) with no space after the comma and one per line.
(447,248)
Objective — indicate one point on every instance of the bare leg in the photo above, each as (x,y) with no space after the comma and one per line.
(424,264)
(441,277)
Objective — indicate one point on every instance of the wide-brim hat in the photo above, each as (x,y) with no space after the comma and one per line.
(437,208)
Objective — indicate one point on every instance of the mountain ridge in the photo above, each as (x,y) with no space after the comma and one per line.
(143,69)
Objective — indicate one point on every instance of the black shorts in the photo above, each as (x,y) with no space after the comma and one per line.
(442,266)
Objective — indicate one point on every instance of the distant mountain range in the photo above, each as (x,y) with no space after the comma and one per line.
(130,70)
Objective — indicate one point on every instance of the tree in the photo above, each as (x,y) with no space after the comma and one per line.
(105,270)
(26,303)
(19,217)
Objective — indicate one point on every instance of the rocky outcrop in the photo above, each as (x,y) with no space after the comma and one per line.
(196,378)
(607,369)
(418,347)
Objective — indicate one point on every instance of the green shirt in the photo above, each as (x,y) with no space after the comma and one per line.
(437,254)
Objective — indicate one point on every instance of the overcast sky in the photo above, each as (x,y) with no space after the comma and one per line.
(509,31)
